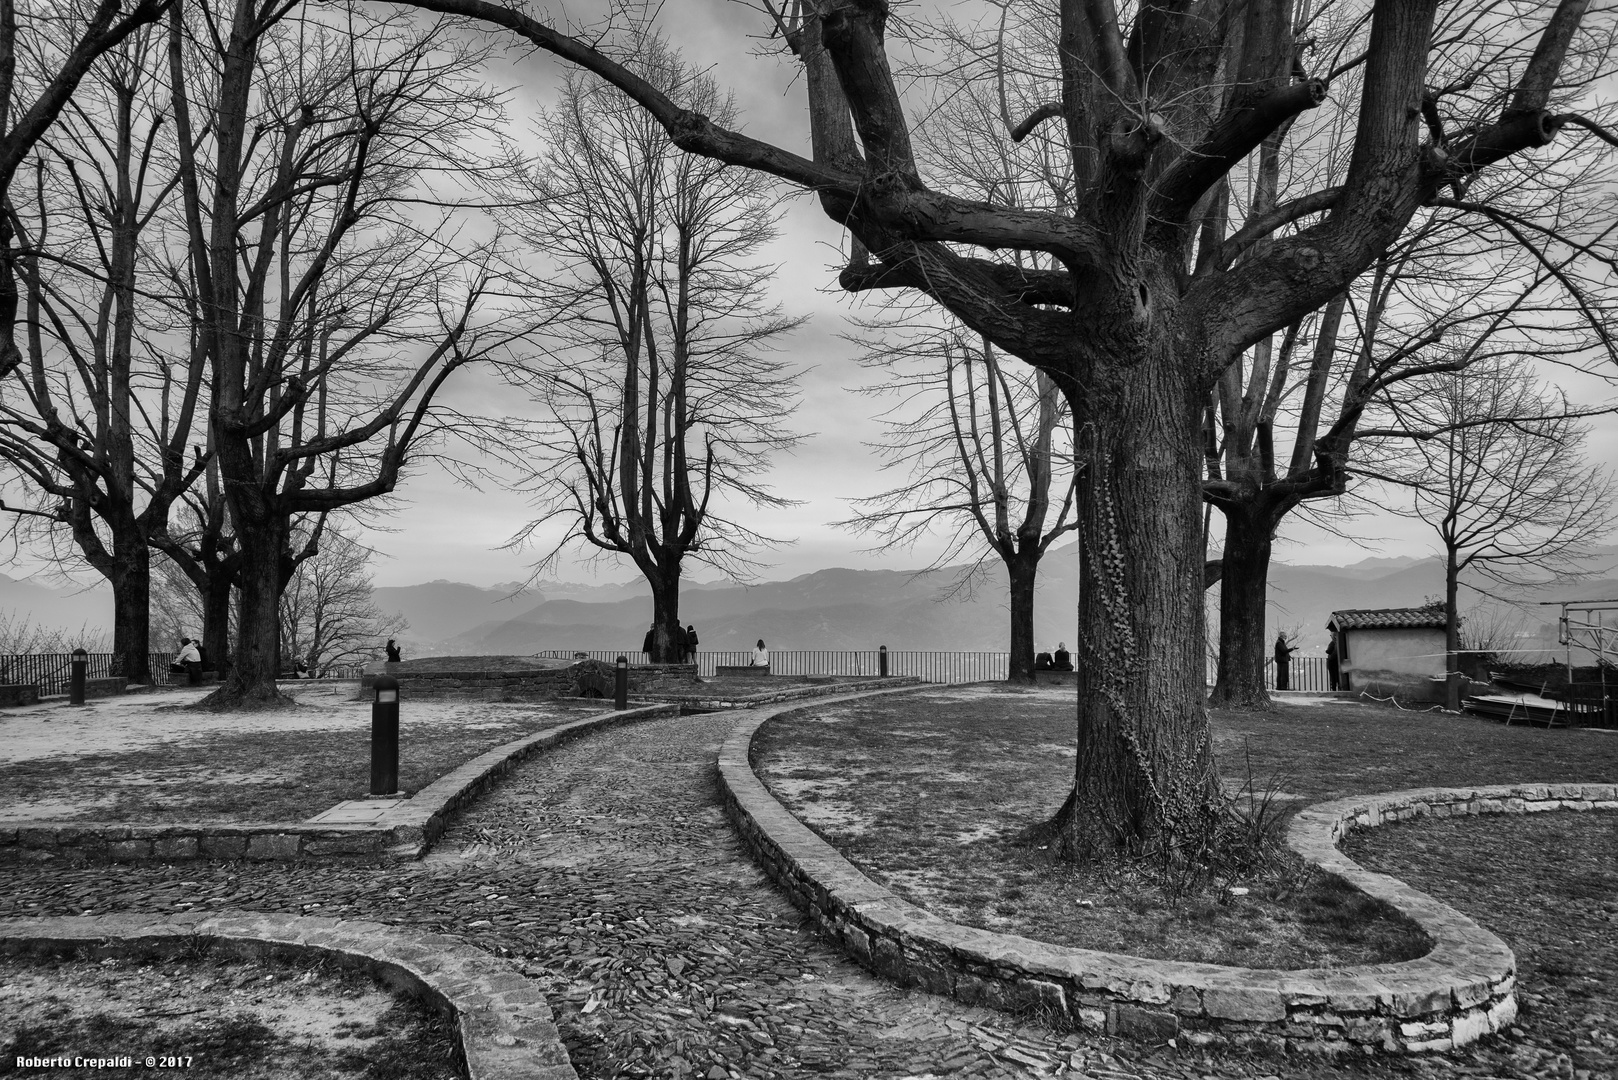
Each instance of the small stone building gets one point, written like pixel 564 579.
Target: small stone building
pixel 1392 652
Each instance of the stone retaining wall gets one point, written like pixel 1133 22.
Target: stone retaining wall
pixel 406 831
pixel 12 694
pixel 1462 989
pixel 504 1026
pixel 575 680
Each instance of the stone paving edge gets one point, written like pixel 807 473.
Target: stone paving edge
pixel 1462 989
pixel 405 832
pixel 504 1026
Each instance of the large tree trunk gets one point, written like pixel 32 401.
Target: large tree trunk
pixel 1145 763
pixel 666 614
pixel 1243 592
pixel 1023 572
pixel 257 662
pixel 132 609
pixel 216 621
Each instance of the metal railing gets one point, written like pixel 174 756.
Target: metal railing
pixel 1303 673
pixel 928 665
pixel 52 671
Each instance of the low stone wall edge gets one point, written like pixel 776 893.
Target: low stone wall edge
pixel 1462 989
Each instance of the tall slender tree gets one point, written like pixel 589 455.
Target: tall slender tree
pixel 665 402
pixel 1157 104
pixel 988 459
pixel 330 310
pixel 1495 464
pixel 99 419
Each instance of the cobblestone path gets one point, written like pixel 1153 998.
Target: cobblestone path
pixel 608 872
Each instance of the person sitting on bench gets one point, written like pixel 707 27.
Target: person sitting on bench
pixel 188 654
pixel 1063 660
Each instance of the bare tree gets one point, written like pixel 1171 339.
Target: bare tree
pixel 99 420
pixel 1496 467
pixel 1454 279
pixel 665 403
pixel 1155 110
pixel 328 615
pixel 330 305
pixel 987 457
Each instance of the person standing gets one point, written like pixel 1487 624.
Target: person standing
pixel 1283 662
pixel 691 643
pixel 1334 664
pixel 393 652
pixel 650 641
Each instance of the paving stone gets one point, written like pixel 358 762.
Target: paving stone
pixel 607 871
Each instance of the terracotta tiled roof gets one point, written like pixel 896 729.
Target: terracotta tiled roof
pixel 1418 618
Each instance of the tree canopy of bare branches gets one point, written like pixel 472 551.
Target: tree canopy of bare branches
pixel 988 463
pixel 1496 468
pixel 331 303
pixel 1159 282
pixel 665 400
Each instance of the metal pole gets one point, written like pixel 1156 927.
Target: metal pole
pixel 620 686
pixel 75 693
pixel 385 737
pixel 882 661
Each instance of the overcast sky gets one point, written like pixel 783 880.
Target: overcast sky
pixel 442 530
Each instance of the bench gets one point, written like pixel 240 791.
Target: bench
pixel 742 671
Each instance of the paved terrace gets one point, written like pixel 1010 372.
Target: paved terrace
pixel 608 873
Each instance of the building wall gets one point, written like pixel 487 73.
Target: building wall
pixel 1396 663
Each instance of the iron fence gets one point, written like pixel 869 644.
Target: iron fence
pixel 1303 673
pixel 51 672
pixel 928 665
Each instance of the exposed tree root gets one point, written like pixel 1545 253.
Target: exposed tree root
pixel 233 697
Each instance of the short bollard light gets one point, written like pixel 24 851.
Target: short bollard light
pixel 75 689
pixel 620 685
pixel 385 737
pixel 882 661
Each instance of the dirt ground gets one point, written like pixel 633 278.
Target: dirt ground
pixel 203 1017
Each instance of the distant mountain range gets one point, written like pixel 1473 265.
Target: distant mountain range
pixel 861 609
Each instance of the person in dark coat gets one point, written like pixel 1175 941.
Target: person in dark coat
pixel 1063 660
pixel 1283 662
pixel 1043 662
pixel 690 643
pixel 1334 664
pixel 651 640
pixel 677 646
pixel 393 652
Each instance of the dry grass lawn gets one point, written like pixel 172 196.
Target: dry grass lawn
pixel 924 792
pixel 254 772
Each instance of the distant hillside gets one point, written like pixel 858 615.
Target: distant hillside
pixel 67 609
pixel 829 609
pixel 441 609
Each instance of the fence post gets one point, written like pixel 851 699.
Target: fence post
pixel 882 661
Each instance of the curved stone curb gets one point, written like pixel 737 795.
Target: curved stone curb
pixel 404 832
pixel 794 693
pixel 505 1026
pixel 1464 988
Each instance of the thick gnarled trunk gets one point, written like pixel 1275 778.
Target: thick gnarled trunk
pixel 1243 591
pixel 263 540
pixel 666 616
pixel 131 611
pixel 1144 754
